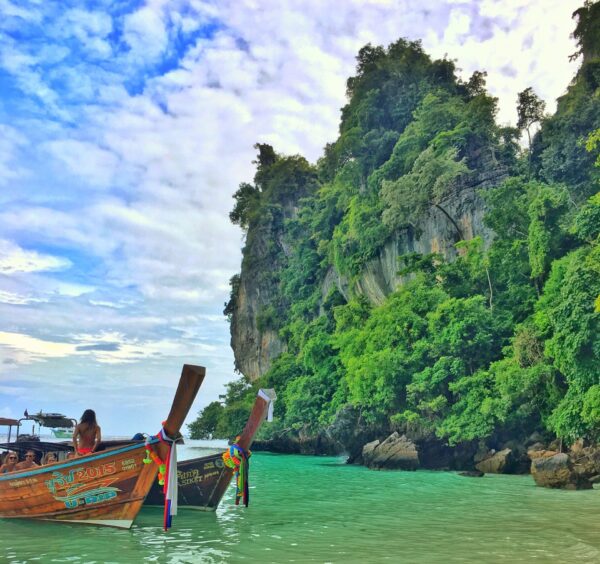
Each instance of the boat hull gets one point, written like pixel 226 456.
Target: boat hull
pixel 107 488
pixel 201 483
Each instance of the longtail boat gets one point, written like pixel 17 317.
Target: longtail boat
pixel 203 481
pixel 104 488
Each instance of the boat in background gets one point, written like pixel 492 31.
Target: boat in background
pixel 60 425
pixel 10 423
pixel 61 434
pixel 203 481
pixel 104 488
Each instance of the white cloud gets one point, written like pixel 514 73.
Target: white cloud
pixel 14 259
pixel 17 299
pixel 104 348
pixel 84 159
pixel 146 34
pixel 25 349
pixel 73 290
pixel 90 28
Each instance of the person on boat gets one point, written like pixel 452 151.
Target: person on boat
pixel 50 458
pixel 86 436
pixel 9 463
pixel 29 461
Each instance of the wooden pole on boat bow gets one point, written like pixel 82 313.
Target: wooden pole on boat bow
pixel 189 384
pixel 257 416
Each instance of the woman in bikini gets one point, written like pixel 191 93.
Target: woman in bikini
pixel 86 436
pixel 10 461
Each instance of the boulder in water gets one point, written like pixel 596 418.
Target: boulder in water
pixel 501 462
pixel 556 471
pixel 472 474
pixel 396 452
pixel 586 460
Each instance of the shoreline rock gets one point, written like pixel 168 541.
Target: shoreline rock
pixel 577 469
pixel 397 452
pixel 502 462
pixel 556 471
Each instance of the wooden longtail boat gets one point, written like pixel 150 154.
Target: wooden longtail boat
pixel 203 481
pixel 105 488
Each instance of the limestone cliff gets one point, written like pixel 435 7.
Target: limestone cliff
pixel 458 216
pixel 254 348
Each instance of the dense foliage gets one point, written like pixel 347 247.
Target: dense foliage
pixel 502 339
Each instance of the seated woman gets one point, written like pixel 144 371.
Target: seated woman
pixel 86 436
pixel 49 458
pixel 9 462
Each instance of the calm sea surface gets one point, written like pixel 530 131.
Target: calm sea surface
pixel 317 509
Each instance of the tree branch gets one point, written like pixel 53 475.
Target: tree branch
pixel 460 235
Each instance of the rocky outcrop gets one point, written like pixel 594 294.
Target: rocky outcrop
pixel 254 349
pixel 458 216
pixel 578 469
pixel 350 432
pixel 586 461
pixel 255 343
pixel 502 462
pixel 556 471
pixel 434 454
pixel 289 442
pixel 396 452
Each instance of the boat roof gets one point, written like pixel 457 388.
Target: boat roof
pixel 8 422
pixel 56 420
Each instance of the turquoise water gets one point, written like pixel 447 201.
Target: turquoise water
pixel 317 509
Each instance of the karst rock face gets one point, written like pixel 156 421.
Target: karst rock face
pixel 458 216
pixel 254 349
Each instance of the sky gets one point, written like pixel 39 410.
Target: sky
pixel 125 129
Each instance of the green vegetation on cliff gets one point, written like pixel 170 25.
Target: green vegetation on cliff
pixel 500 338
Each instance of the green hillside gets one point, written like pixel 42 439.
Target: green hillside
pixel 495 339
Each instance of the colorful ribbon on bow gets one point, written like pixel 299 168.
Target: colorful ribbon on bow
pixel 237 459
pixel 167 474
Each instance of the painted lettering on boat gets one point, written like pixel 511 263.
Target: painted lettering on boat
pixel 194 476
pixel 218 463
pixel 128 464
pixel 97 495
pixel 24 482
pixel 74 489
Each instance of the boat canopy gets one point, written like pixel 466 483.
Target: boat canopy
pixel 6 422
